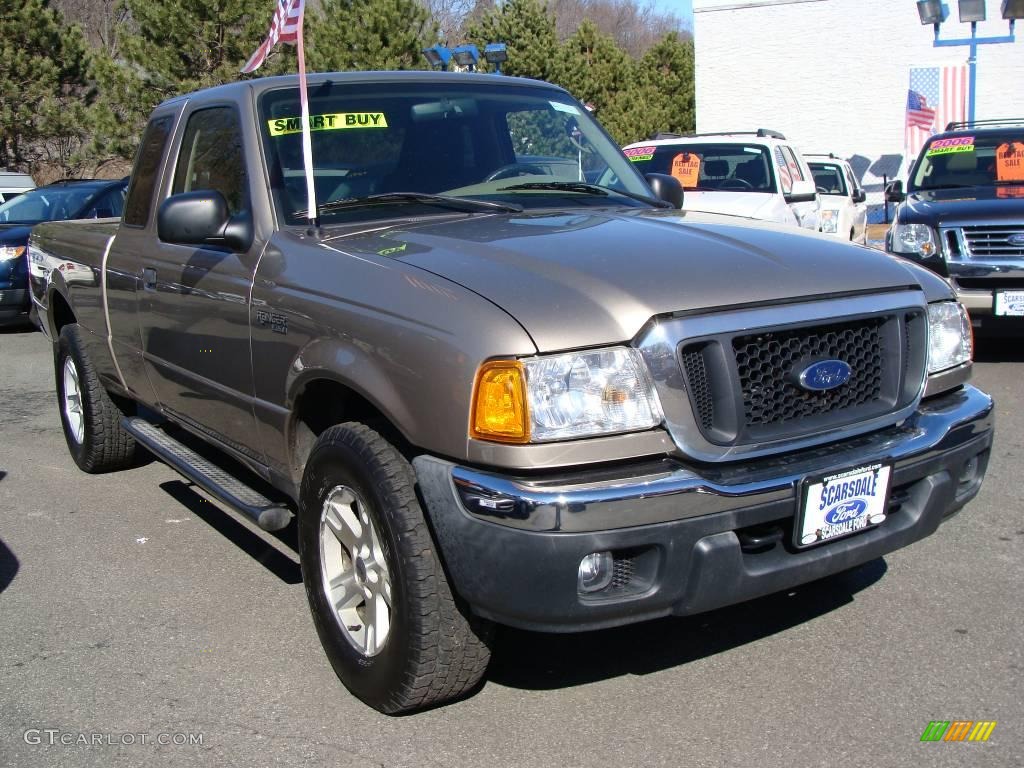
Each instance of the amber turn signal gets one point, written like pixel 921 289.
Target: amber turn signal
pixel 499 403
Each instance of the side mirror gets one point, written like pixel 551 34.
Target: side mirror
pixel 802 192
pixel 666 188
pixel 859 196
pixel 202 218
pixel 894 192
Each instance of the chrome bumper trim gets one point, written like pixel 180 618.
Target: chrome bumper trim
pixel 665 490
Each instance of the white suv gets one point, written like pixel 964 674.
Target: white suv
pixel 844 212
pixel 758 174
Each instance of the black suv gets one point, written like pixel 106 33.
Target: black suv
pixel 71 199
pixel 962 215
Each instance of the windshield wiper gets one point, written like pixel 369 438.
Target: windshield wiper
pixel 948 186
pixel 466 204
pixel 584 188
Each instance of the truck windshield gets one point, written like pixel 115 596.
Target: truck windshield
pixel 522 146
pixel 709 167
pixel 983 160
pixel 828 178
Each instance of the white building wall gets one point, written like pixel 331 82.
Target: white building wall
pixel 833 74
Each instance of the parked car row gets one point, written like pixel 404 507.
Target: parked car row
pixel 761 175
pixel 62 200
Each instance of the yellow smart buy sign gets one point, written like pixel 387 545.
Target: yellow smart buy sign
pixel 282 126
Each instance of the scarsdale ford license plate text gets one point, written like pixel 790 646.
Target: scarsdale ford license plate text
pixel 844 503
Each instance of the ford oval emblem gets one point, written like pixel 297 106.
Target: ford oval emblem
pixel 825 375
pixel 846 511
pixel 1015 240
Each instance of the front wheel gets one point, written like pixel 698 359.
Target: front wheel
pixel 382 606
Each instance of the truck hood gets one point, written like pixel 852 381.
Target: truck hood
pixel 941 206
pixel 753 205
pixel 578 279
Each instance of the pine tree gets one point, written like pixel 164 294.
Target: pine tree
pixel 528 30
pixel 594 69
pixel 667 82
pixel 41 81
pixel 367 35
pixel 169 47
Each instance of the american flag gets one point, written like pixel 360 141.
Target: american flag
pixel 284 27
pixel 937 96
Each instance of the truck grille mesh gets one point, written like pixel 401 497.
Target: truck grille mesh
pixel 767 362
pixel 700 391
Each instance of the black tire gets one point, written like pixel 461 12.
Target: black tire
pixel 432 652
pixel 103 446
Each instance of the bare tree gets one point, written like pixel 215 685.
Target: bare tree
pixel 97 18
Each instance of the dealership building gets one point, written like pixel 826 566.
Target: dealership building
pixel 833 75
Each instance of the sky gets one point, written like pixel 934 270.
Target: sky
pixel 681 8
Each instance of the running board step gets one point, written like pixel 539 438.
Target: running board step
pixel 268 515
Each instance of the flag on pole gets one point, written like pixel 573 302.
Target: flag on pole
pixel 286 27
pixel 937 97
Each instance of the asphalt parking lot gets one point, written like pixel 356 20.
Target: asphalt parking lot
pixel 137 620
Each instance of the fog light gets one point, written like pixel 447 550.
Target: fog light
pixel 596 571
pixel 968 474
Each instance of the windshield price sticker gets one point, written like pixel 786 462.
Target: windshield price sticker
pixel 686 168
pixel 1010 161
pixel 951 146
pixel 636 154
pixel 842 504
pixel 338 121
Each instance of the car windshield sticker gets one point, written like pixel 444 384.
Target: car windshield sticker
pixel 686 167
pixel 569 109
pixel 1010 191
pixel 949 146
pixel 1010 161
pixel 636 154
pixel 284 126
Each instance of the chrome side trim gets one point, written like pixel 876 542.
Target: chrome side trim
pixel 659 342
pixel 106 311
pixel 665 490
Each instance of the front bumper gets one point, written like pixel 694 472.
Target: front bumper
pixel 687 539
pixel 14 304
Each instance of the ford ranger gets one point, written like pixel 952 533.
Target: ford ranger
pixel 492 388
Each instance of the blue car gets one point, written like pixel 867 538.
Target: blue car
pixel 76 199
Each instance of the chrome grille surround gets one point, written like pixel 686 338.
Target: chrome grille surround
pixel 982 242
pixel 664 339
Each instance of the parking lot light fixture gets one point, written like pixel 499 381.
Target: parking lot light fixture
pixel 496 54
pixel 1013 9
pixel 466 56
pixel 438 56
pixel 930 11
pixel 972 10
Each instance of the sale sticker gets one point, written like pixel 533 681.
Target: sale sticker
pixel 686 168
pixel 636 154
pixel 1010 161
pixel 950 146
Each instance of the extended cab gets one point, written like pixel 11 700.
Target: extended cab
pixel 500 380
pixel 962 215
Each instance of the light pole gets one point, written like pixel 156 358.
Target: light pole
pixel 934 12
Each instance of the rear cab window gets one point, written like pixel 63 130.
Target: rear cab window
pixel 139 199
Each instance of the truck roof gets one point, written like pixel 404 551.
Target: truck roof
pixel 230 90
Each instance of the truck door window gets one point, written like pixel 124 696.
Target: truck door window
pixel 211 157
pixel 144 177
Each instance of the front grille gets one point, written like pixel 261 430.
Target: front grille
pixel 993 241
pixel 744 386
pixel 766 364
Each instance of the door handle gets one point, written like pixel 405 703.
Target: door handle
pixel 148 279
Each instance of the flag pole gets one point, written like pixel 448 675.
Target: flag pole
pixel 307 140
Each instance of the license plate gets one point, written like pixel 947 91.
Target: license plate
pixel 1010 303
pixel 841 504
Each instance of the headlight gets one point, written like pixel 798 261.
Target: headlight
pixel 555 397
pixel 8 252
pixel 950 342
pixel 914 239
pixel 829 221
